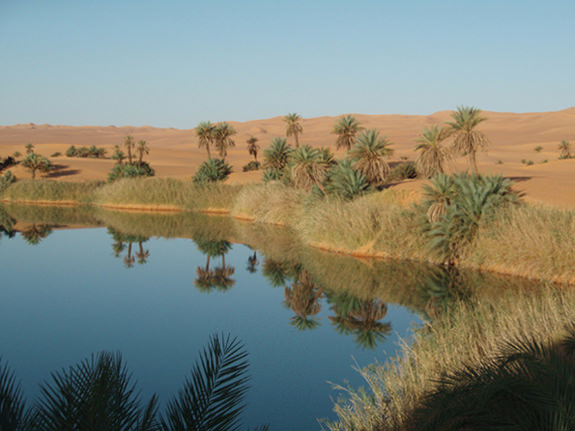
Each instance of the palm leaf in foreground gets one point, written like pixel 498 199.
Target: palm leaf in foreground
pixel 212 397
pixel 12 405
pixel 98 393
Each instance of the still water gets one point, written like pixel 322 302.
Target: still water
pixel 155 287
pixel 67 293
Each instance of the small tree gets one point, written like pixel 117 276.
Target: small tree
pixel 29 148
pixel 565 149
pixel 213 170
pixel 35 162
pixel 142 149
pixel 253 147
pixel 130 145
pixel 294 128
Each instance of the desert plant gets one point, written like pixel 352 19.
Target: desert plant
pixel 130 145
pixel 130 170
pixel 253 147
pixel 404 171
pixel 538 149
pixel 222 134
pixel 142 148
pixel 345 182
pixel 368 156
pixel 432 154
pixel 29 148
pixel 466 138
pixel 71 151
pixel 346 129
pixel 308 167
pixel 212 170
pixel 35 162
pixel 56 154
pixel 294 127
pixel 119 156
pixel 251 166
pixel 205 133
pixel 565 150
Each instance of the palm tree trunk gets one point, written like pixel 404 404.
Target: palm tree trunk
pixel 473 162
pixel 208 148
pixel 296 140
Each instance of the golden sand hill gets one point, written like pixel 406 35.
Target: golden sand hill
pixel 175 153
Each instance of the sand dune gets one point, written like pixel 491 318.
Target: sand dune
pixel 174 152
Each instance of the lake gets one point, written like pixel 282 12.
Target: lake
pixel 77 281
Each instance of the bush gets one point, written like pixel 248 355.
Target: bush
pixel 130 170
pixel 345 182
pixel 6 179
pixel 404 171
pixel 251 166
pixel 538 148
pixel 56 154
pixel 86 152
pixel 212 171
pixel 71 152
pixel 7 162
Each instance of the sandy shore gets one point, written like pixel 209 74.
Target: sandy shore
pixel 175 153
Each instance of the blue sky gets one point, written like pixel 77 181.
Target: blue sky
pixel 176 63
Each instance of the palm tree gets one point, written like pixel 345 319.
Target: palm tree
pixel 36 233
pixel 565 148
pixel 130 145
pixel 142 149
pixel 466 139
pixel 205 134
pixel 29 148
pixel 277 155
pixel 142 254
pixel 253 147
pixel 309 168
pixel 368 156
pixel 347 127
pixel 222 138
pixel 35 162
pixel 294 128
pixel 252 263
pixel 432 154
pixel 119 156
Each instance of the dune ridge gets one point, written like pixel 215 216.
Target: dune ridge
pixel 174 152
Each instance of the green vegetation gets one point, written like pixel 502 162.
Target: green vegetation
pixel 294 127
pixel 368 156
pixel 466 138
pixel 565 150
pixel 538 149
pixel 251 166
pixel 346 129
pixel 35 162
pixel 253 148
pixel 86 152
pixel 433 154
pixel 130 170
pixel 52 191
pixel 212 171
pixel 222 138
pixel 101 389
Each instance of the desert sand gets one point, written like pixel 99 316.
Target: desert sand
pixel 175 152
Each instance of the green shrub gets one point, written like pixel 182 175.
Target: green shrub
pixel 130 170
pixel 345 182
pixel 56 154
pixel 212 171
pixel 404 171
pixel 6 179
pixel 538 148
pixel 71 151
pixel 251 166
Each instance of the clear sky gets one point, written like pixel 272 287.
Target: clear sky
pixel 175 63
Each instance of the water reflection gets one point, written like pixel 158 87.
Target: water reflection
pixel 356 292
pixel 219 278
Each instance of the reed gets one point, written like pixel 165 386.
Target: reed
pixel 52 191
pixel 472 331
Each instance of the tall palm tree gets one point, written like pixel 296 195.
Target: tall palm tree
pixel 294 128
pixel 368 156
pixel 432 154
pixel 205 134
pixel 346 128
pixel 130 145
pixel 466 139
pixel 142 149
pixel 253 147
pixel 565 148
pixel 222 138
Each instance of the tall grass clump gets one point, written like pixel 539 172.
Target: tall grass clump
pixel 270 202
pixel 52 191
pixel 167 193
pixel 534 242
pixel 468 335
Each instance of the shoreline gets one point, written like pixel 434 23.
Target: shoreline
pixel 323 246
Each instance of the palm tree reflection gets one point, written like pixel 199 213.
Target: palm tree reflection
pixel 361 318
pixel 252 263
pixel 220 277
pixel 34 234
pixel 303 298
pixel 119 246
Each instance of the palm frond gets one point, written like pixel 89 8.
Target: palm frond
pixel 212 397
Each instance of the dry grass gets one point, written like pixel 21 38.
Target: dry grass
pixel 472 331
pixel 533 242
pixel 52 191
pixel 269 203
